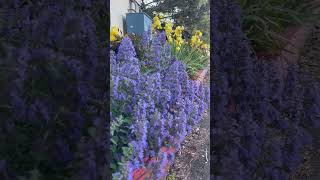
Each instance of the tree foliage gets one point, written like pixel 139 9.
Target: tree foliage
pixel 192 14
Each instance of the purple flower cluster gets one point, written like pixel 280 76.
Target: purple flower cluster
pixel 260 109
pixel 53 90
pixel 164 104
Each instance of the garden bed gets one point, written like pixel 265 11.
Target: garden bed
pixel 195 139
pixel 154 100
pixel 193 159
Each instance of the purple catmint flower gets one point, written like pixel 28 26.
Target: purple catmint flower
pixel 146 38
pixel 126 51
pixel 23 58
pixel 43 109
pixel 163 102
pixel 162 37
pixel 169 120
pixel 83 92
pixel 161 171
pixel 162 128
pixel 75 67
pixel 18 105
pixel 130 168
pixel 182 120
pixel 113 60
pixel 54 59
pixel 171 158
pixel 32 112
pixel 63 151
pixel 156 46
pixel 157 49
pixel 152 153
pixel 138 150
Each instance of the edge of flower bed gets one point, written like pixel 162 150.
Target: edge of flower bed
pixel 145 173
pixel 297 36
pixel 297 39
pixel 201 75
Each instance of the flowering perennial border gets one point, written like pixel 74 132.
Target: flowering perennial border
pixel 163 104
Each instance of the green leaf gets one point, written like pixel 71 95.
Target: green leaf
pixel 113 141
pixel 113 166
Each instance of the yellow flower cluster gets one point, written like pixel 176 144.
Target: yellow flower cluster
pixel 196 41
pixel 178 37
pixel 114 34
pixel 168 30
pixel 204 46
pixel 156 23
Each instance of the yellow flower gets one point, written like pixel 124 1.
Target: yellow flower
pixel 113 38
pixel 203 46
pixel 198 33
pixel 195 40
pixel 178 37
pixel 178 31
pixel 156 23
pixel 168 30
pixel 114 34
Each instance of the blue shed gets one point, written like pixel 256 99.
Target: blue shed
pixel 138 23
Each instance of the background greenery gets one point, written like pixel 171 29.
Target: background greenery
pixel 264 21
pixel 193 16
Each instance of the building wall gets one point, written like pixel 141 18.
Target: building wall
pixel 118 10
